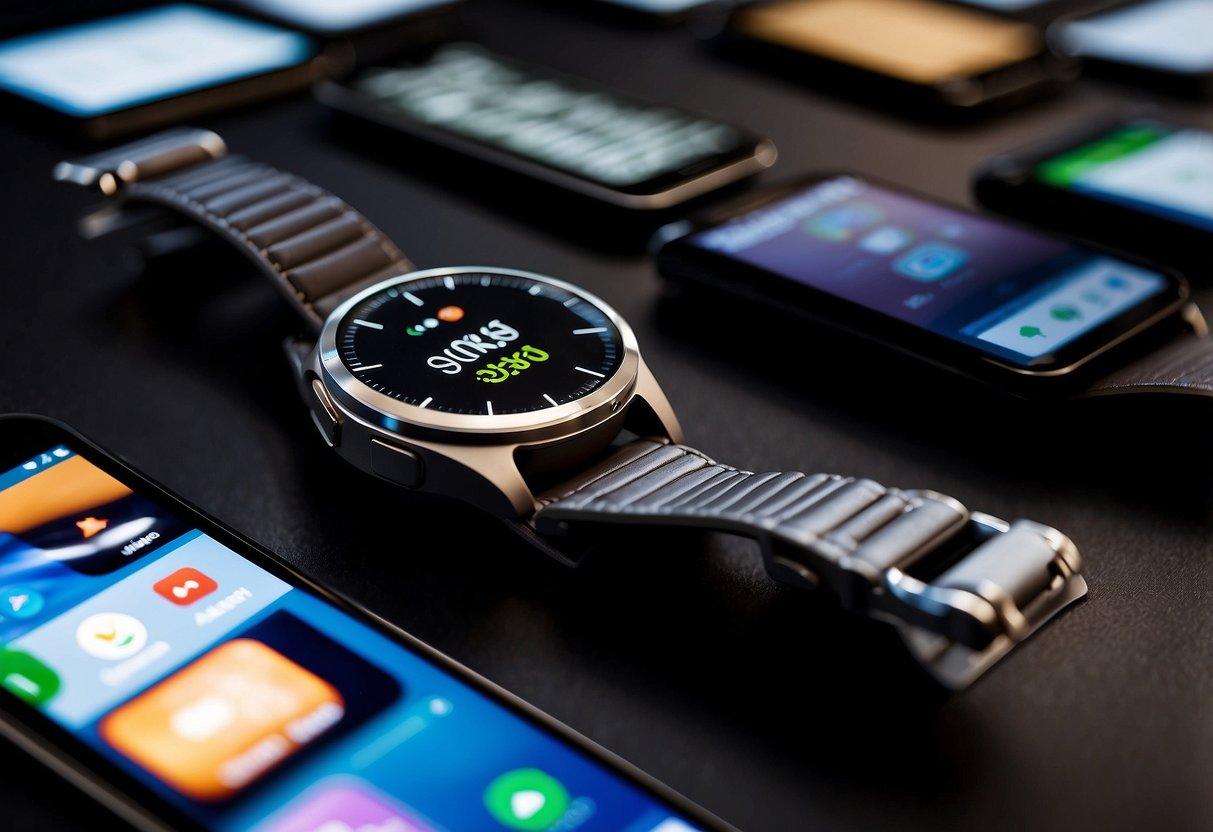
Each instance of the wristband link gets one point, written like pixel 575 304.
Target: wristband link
pixel 962 588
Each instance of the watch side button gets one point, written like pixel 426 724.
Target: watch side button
pixel 397 464
pixel 324 413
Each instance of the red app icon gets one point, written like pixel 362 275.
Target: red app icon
pixel 185 586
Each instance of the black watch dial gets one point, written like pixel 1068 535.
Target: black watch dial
pixel 480 343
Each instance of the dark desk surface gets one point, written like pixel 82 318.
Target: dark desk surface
pixel 757 702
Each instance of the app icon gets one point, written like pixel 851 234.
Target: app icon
pixel 185 586
pixel 674 825
pixel 28 678
pixel 842 223
pixel 1031 332
pixel 111 635
pixel 20 602
pixel 526 798
pixel 222 722
pixel 931 261
pixel 1065 313
pixel 345 805
pixel 75 514
pixel 90 526
pixel 886 240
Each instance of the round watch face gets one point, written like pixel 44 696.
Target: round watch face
pixel 479 343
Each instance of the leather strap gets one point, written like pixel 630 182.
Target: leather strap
pixel 1183 366
pixel 963 588
pixel 316 248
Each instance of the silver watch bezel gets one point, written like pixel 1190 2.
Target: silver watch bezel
pixel 406 419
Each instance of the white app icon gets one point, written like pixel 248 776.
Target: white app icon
pixel 111 635
pixel 886 240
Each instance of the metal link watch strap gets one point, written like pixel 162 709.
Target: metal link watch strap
pixel 964 588
pixel 316 248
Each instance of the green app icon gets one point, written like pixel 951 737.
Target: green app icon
pixel 526 798
pixel 1065 313
pixel 27 677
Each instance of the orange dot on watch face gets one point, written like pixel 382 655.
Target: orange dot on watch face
pixel 450 313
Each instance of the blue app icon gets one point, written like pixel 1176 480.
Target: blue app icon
pixel 20 602
pixel 931 261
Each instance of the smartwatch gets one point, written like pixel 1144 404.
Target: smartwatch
pixel 527 397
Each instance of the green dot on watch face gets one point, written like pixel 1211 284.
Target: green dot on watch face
pixel 527 799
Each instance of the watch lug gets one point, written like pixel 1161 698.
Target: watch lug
pixel 658 417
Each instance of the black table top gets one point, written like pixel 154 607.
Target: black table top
pixel 758 702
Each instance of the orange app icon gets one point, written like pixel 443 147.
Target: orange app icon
pixel 220 723
pixel 185 586
pixel 89 526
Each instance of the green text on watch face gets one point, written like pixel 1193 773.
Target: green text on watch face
pixel 480 343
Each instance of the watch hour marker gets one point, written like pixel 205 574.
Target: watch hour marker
pixel 428 399
pixel 589 372
pixel 489 405
pixel 593 330
pixel 571 301
pixel 361 322
pixel 485 280
pixel 534 290
pixel 367 367
pixel 414 299
pixel 448 282
pixel 550 399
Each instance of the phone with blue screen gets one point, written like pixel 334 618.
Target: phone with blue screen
pixel 1031 313
pixel 152 67
pixel 190 680
pixel 1139 182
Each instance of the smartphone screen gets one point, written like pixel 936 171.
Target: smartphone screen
pixel 337 16
pixel 660 7
pixel 913 40
pixel 560 129
pixel 1168 35
pixel 1007 292
pixel 104 66
pixel 1144 165
pixel 246 701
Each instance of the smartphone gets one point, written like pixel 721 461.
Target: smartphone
pixel 135 71
pixel 337 18
pixel 563 131
pixel 657 11
pixel 1001 303
pixel 909 54
pixel 188 679
pixel 1163 43
pixel 1140 183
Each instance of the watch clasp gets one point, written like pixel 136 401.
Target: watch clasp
pixel 992 584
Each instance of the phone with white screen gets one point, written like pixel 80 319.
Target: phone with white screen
pixel 1138 182
pixel 342 17
pixel 191 680
pixel 1163 43
pixel 151 67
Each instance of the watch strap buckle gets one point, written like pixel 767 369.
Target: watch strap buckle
pixel 957 664
pixel 171 150
pixel 961 588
